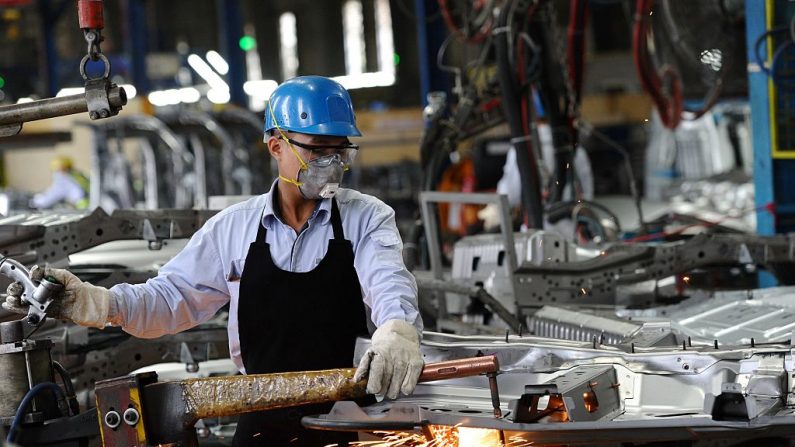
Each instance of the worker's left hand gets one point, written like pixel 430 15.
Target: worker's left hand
pixel 394 361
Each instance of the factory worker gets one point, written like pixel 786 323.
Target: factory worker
pixel 69 187
pixel 298 265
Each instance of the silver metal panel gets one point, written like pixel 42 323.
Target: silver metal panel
pixel 766 315
pixel 565 324
pixel 664 393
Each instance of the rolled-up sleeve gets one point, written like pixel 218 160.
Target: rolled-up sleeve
pixel 187 291
pixel 389 289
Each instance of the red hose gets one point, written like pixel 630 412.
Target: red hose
pixel 575 56
pixel 670 108
pixel 576 43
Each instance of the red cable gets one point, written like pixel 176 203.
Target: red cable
pixel 576 44
pixel 670 106
pixel 522 84
pixel 770 208
pixel 575 56
pixel 478 37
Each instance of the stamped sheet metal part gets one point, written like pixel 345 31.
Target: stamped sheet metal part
pixel 663 393
pixel 46 237
pixel 763 315
pixel 732 317
pixel 605 327
pixel 551 275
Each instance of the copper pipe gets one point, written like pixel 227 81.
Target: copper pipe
pixel 453 369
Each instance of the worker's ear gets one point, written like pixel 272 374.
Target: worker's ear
pixel 274 147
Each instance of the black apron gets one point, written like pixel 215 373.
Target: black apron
pixel 292 321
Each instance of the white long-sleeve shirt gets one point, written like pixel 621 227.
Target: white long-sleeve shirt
pixel 205 275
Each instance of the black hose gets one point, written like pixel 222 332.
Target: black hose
pixel 412 254
pixel 528 167
pixel 66 378
pixel 555 98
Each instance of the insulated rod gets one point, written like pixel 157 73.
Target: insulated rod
pixel 170 408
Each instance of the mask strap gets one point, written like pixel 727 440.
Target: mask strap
pixel 304 166
pixel 291 181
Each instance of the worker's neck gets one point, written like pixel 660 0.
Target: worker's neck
pixel 295 210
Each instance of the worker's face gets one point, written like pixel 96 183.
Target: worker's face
pixel 309 148
pixel 314 164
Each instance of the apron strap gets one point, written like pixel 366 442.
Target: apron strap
pixel 336 220
pixel 261 230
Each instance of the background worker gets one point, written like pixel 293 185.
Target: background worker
pixel 297 265
pixel 69 186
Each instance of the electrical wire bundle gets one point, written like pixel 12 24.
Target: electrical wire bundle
pixel 772 68
pixel 704 45
pixel 530 60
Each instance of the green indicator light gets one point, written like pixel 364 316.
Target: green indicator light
pixel 247 43
pixel 396 59
pixel 2 82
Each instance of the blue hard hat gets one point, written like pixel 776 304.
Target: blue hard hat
pixel 313 105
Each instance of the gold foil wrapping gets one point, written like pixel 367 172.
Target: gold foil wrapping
pixel 222 396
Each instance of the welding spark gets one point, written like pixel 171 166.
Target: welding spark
pixel 444 436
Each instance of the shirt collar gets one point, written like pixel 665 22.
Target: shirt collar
pixel 322 211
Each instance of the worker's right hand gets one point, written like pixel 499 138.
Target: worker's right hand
pixel 393 363
pixel 80 302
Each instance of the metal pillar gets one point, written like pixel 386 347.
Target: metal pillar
pixel 230 30
pixel 430 35
pixel 755 25
pixel 772 109
pixel 136 43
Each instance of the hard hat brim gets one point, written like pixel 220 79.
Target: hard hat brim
pixel 333 129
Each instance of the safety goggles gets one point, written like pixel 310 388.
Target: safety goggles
pixel 346 151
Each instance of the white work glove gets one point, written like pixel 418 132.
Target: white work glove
pixel 394 360
pixel 80 302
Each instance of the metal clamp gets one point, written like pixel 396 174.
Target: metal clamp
pixel 104 98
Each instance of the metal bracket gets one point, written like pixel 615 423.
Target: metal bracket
pixel 429 220
pixel 586 393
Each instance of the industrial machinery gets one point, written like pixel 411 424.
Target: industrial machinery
pixel 512 275
pixel 101 99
